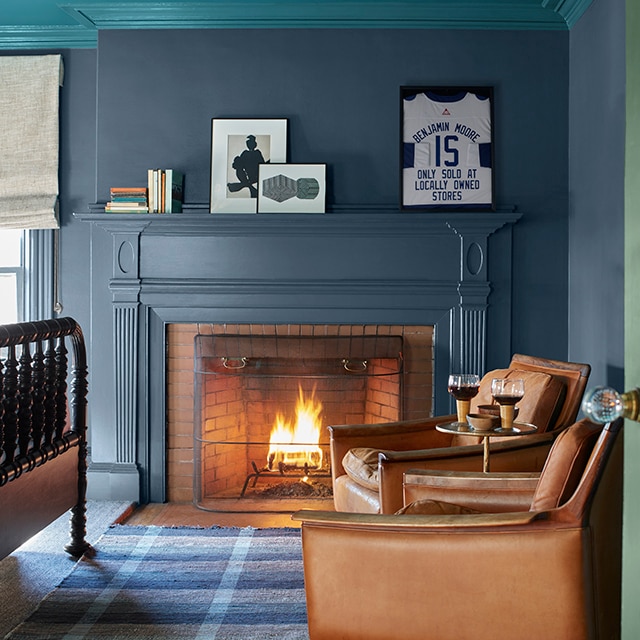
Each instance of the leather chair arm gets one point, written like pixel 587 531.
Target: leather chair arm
pixel 386 429
pixel 487 492
pixel 512 454
pixel 404 523
pixel 410 434
pixel 498 447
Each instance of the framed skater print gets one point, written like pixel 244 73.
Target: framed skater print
pixel 446 148
pixel 291 188
pixel 238 148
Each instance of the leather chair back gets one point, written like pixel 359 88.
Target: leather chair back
pixel 544 396
pixel 565 465
pixel 574 375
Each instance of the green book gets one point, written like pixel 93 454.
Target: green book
pixel 174 189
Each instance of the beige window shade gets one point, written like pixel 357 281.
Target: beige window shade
pixel 29 102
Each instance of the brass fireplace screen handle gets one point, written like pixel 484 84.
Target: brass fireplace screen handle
pixel 241 363
pixel 604 404
pixel 361 365
pixel 234 363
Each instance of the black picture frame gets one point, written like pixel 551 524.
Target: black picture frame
pixel 446 148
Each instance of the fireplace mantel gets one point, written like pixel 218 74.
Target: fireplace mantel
pixel 353 265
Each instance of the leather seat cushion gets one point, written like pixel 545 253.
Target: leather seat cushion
pixel 361 465
pixel 433 508
pixel 353 497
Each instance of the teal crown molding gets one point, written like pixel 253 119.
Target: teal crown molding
pixel 570 10
pixel 47 37
pixel 414 14
pixel 92 16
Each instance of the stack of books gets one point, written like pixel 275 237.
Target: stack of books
pixel 128 200
pixel 165 190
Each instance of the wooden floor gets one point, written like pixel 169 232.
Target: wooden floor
pixel 188 515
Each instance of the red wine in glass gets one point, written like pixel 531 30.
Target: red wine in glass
pixel 463 393
pixel 463 387
pixel 507 399
pixel 507 392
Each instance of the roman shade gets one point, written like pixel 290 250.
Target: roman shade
pixel 29 101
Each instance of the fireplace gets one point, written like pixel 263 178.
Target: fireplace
pixel 238 378
pixel 263 403
pixel 157 279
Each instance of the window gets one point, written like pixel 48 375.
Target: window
pixel 28 275
pixel 11 275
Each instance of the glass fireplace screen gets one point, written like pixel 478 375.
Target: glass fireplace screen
pixel 264 405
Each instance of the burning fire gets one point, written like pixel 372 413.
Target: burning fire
pixel 297 445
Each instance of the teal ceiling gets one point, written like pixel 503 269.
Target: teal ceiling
pixel 37 24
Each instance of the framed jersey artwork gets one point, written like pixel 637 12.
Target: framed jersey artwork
pixel 446 150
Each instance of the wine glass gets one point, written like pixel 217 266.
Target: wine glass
pixel 507 392
pixel 463 387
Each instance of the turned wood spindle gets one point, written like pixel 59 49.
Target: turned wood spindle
pixel 10 405
pixel 38 395
pixel 61 388
pixel 24 400
pixel 49 392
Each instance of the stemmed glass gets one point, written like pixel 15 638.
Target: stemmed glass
pixel 463 387
pixel 507 392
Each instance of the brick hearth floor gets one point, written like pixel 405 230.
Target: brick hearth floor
pixel 175 514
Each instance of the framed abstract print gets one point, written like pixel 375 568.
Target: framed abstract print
pixel 292 188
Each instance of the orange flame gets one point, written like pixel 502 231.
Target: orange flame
pixel 297 445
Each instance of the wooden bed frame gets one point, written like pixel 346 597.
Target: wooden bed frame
pixel 43 445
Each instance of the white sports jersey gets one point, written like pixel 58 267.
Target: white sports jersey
pixel 447 151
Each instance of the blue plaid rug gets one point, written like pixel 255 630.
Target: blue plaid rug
pixel 158 582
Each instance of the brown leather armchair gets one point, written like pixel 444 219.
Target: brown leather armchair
pixel 447 571
pixel 368 461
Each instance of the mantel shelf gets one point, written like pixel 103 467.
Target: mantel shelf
pixel 360 221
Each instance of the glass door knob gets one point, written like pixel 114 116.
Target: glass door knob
pixel 604 404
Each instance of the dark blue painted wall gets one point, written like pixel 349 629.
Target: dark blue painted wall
pixel 146 99
pixel 77 180
pixel 596 222
pixel 158 90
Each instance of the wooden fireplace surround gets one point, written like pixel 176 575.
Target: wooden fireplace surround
pixel 358 265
